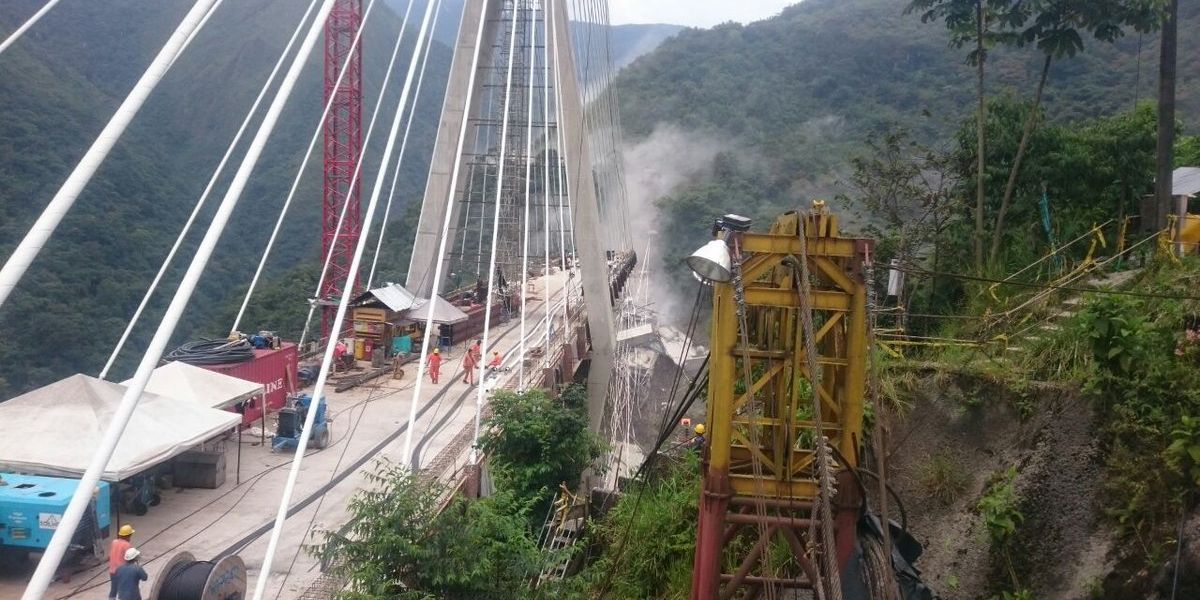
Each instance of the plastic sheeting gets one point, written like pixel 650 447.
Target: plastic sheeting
pixel 207 388
pixel 55 429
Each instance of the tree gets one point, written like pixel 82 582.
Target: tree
pixel 1166 113
pixel 913 189
pixel 401 546
pixel 1055 27
pixel 535 442
pixel 968 22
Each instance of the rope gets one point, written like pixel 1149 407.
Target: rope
pixel 26 25
pixel 212 182
pixel 823 505
pixel 186 581
pixel 753 409
pixel 879 440
pixel 129 401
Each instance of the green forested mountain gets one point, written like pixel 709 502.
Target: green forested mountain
pixel 60 84
pixel 783 104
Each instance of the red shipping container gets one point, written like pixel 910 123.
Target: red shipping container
pixel 275 369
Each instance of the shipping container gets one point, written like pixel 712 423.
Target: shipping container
pixel 275 369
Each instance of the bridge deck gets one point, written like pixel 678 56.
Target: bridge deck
pixel 209 522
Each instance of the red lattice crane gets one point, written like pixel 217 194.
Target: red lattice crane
pixel 342 146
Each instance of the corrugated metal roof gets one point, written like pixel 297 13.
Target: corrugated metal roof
pixel 394 296
pixel 1186 181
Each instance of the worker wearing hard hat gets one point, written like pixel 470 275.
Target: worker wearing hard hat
pixel 434 364
pixel 129 577
pixel 496 361
pixel 116 557
pixel 697 442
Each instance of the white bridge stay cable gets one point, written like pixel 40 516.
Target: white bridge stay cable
pixel 212 182
pixel 26 25
pixel 304 165
pixel 412 115
pixel 33 242
pixel 562 171
pixel 549 313
pixel 343 304
pixel 528 177
pixel 79 500
pixel 435 290
pixel 195 32
pixel 491 288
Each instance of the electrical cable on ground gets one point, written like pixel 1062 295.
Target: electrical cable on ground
pixel 71 518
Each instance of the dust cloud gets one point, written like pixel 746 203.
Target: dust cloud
pixel 655 167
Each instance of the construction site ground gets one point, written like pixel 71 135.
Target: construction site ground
pixel 211 522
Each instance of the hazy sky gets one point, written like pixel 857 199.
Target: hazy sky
pixel 694 13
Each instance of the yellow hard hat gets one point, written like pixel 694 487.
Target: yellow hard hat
pixel 700 429
pixel 436 351
pixel 125 531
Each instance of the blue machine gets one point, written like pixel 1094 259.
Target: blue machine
pixel 291 424
pixel 31 507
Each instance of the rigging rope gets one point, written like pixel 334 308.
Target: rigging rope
pixel 447 218
pixel 26 25
pixel 57 547
pixel 823 506
pixel 339 318
pixel 33 242
pixel 212 182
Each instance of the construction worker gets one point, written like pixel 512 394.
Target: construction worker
pixel 116 557
pixel 339 354
pixel 495 363
pixel 129 577
pixel 434 364
pixel 471 362
pixel 697 443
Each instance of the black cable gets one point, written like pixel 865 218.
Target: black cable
pixel 186 581
pixel 213 352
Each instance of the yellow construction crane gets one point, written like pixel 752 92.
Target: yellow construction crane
pixel 787 380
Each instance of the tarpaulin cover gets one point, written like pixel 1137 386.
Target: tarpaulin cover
pixel 207 388
pixel 443 311
pixel 55 429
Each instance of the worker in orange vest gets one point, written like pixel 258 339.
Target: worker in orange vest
pixel 471 361
pixel 434 365
pixel 116 556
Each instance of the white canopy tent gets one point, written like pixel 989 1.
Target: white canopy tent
pixel 207 388
pixel 393 295
pixel 54 430
pixel 443 312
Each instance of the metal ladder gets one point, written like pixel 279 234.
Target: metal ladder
pixel 562 528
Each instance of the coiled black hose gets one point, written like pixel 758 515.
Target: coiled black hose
pixel 213 352
pixel 186 581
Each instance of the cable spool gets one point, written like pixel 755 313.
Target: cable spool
pixel 185 578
